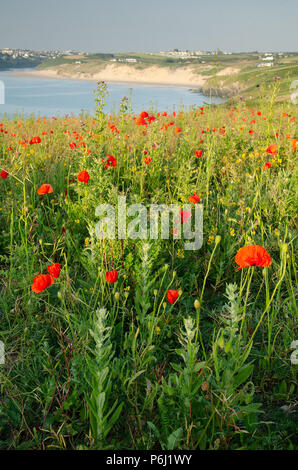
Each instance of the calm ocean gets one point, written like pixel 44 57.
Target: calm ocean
pixel 54 97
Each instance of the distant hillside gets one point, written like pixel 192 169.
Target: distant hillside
pixel 243 74
pixel 7 62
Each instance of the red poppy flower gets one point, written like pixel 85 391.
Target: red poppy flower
pixel 45 189
pixel 252 255
pixel 141 122
pixel 294 144
pixel 3 174
pixel 83 176
pixel 41 282
pixel 272 149
pixel 194 199
pixel 144 114
pixel 178 130
pixel 112 276
pixel 54 270
pixel 184 216
pixel 147 160
pixel 172 295
pixel 111 161
pixel 198 153
pixel 267 165
pixel 35 140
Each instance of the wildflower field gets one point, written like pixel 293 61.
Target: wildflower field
pixel 141 344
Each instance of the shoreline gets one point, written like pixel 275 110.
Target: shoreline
pixel 195 83
pixel 113 76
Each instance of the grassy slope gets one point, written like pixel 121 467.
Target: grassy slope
pixel 47 380
pixel 246 82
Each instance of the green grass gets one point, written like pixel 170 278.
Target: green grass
pixel 93 365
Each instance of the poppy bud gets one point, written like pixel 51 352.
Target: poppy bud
pixel 205 386
pixel 228 347
pixel 217 239
pixel 155 292
pixel 117 295
pixel 284 248
pixel 221 342
pixel 196 304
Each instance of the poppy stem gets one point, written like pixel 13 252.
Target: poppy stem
pixel 201 298
pixel 248 347
pixel 249 277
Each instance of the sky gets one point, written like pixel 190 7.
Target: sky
pixel 149 25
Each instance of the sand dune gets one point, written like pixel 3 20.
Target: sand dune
pixel 153 75
pixel 228 71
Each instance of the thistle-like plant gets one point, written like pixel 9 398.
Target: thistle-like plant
pixel 101 95
pixel 103 409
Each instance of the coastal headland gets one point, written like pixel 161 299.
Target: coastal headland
pixel 241 75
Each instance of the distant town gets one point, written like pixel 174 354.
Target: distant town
pixel 26 58
pixel 267 58
pixel 22 58
pixel 7 54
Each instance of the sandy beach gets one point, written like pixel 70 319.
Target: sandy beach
pixel 123 73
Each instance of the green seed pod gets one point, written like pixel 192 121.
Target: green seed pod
pixel 217 239
pixel 284 248
pixel 221 342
